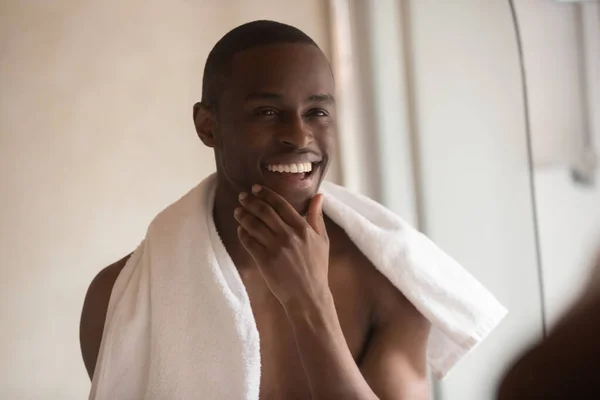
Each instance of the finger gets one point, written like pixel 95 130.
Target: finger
pixel 253 226
pixel 284 209
pixel 315 214
pixel 251 245
pixel 263 211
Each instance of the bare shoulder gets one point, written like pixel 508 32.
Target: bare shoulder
pixel 94 310
pixel 394 308
pixel 388 304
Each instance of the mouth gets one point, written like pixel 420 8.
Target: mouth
pixel 304 170
pixel 295 174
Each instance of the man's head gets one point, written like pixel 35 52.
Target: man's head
pixel 268 110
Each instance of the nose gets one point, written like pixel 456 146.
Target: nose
pixel 295 134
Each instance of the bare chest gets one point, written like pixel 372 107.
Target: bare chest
pixel 282 373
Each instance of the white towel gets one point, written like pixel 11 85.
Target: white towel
pixel 179 323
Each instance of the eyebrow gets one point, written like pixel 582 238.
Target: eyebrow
pixel 322 98
pixel 315 98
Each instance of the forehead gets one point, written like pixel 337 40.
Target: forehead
pixel 291 69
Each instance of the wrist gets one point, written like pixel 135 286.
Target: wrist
pixel 311 308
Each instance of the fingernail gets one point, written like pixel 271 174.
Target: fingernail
pixel 243 195
pixel 237 212
pixel 256 188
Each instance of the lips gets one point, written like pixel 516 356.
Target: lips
pixel 292 163
pixel 297 175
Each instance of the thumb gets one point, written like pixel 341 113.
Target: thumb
pixel 315 214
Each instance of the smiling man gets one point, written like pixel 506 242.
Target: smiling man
pixel 269 112
pixel 330 324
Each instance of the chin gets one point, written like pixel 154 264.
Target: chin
pixel 300 204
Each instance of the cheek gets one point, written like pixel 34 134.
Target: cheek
pixel 241 149
pixel 326 135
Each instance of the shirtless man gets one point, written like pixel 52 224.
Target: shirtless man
pixel 330 325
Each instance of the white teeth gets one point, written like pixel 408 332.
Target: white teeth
pixel 291 168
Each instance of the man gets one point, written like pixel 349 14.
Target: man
pixel 330 325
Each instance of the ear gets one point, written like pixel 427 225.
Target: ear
pixel 204 121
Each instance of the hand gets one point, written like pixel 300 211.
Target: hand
pixel 292 253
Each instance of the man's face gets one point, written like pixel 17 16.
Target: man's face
pixel 277 119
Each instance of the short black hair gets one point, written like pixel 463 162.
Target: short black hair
pixel 244 37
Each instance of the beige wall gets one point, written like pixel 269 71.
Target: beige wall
pixel 96 137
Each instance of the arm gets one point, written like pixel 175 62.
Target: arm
pixel 328 363
pixel 93 314
pixel 394 366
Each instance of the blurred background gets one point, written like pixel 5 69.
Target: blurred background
pixel 477 120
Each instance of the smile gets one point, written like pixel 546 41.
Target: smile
pixel 297 168
pixel 298 175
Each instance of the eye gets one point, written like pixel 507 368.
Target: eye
pixel 317 112
pixel 266 112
